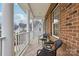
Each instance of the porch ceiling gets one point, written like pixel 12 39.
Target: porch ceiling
pixel 38 10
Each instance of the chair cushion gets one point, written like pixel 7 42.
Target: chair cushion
pixel 58 43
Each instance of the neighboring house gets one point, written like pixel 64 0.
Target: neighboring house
pixel 19 28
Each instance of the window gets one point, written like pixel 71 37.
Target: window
pixel 55 23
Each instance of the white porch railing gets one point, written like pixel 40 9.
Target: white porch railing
pixel 1 38
pixel 39 37
pixel 21 41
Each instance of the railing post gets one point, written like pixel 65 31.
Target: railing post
pixel 33 27
pixel 28 25
pixel 7 29
pixel 0 46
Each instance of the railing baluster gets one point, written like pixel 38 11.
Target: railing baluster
pixel 1 38
pixel 21 42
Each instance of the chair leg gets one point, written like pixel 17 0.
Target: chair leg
pixel 55 53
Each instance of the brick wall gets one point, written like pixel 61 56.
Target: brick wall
pixel 69 29
pixel 49 24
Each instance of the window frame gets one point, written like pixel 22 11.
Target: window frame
pixel 57 7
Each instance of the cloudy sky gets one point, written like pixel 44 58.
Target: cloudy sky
pixel 19 15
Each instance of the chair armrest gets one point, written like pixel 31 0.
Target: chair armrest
pixel 48 43
pixel 38 51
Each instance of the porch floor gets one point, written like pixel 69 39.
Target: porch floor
pixel 33 47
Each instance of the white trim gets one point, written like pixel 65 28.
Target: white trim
pixel 1 38
pixel 55 36
pixel 57 22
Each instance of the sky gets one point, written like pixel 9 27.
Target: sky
pixel 19 15
pixel 0 12
pixel 0 7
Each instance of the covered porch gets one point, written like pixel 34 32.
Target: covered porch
pixel 59 20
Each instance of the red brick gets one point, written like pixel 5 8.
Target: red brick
pixel 69 29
